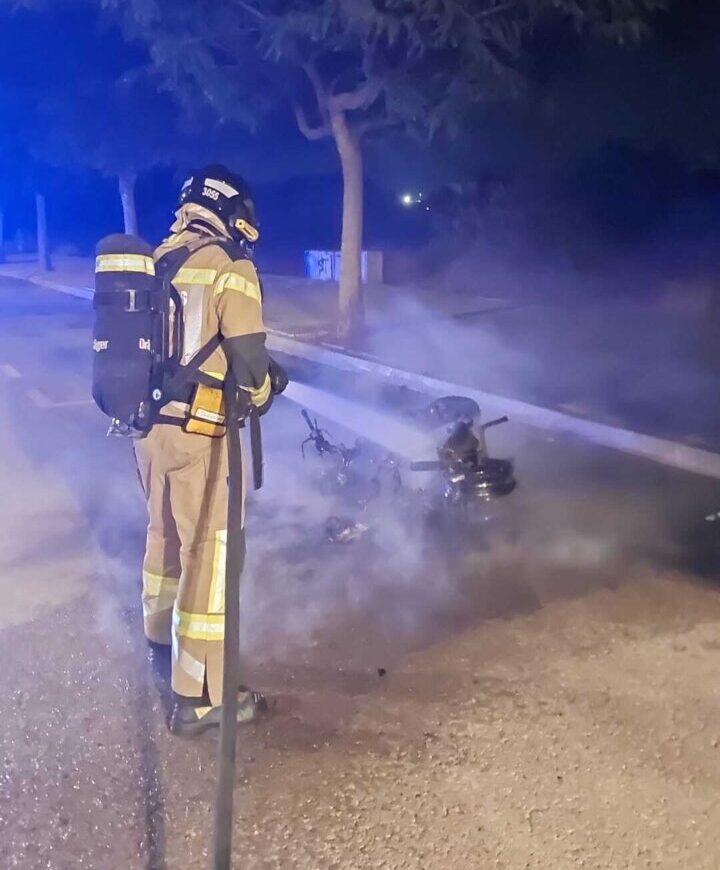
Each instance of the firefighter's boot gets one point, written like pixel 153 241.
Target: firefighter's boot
pixel 191 717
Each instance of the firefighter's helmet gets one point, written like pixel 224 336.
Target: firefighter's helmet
pixel 226 195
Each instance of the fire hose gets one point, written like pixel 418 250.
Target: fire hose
pixel 239 410
pixel 234 563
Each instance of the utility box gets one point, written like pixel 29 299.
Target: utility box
pixel 374 267
pixel 319 265
pixel 337 263
pixel 325 266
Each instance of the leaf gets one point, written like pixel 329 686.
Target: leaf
pixel 435 57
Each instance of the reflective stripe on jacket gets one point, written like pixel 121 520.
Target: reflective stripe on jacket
pixel 222 295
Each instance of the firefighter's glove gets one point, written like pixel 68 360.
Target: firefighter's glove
pixel 263 409
pixel 278 377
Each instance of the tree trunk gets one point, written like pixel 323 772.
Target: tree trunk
pixel 126 184
pixel 351 314
pixel 42 234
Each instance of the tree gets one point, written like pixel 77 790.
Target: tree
pixel 352 68
pixel 118 127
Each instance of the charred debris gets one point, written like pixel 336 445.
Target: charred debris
pixel 463 482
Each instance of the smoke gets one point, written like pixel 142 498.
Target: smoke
pixel 110 517
pixel 298 583
pixel 395 434
pixel 625 338
pixel 564 532
pixel 582 517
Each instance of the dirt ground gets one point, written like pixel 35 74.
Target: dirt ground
pixel 586 734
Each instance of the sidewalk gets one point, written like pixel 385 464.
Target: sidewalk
pixel 73 275
pixel 633 365
pixel 292 304
pixel 626 364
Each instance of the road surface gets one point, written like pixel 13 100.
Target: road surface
pixel 551 700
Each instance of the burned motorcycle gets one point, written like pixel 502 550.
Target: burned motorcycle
pixel 352 472
pixel 461 495
pixel 323 445
pixel 356 477
pixel 469 480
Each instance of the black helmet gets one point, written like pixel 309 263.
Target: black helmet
pixel 225 195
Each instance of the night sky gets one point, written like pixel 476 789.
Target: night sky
pixel 643 122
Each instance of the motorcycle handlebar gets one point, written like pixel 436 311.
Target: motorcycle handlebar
pixel 494 423
pixel 426 465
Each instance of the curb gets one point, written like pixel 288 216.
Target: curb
pixel 669 453
pixel 48 284
pixel 79 292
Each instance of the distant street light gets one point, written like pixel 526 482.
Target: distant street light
pixel 410 199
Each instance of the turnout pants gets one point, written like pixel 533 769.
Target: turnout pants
pixel 184 477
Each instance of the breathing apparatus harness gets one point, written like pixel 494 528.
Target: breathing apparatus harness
pixel 208 410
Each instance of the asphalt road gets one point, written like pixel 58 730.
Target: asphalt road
pixel 340 637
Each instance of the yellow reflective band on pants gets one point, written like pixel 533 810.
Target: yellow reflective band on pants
pixel 159 592
pixel 198 626
pixel 185 479
pixel 231 281
pixel 186 275
pixel 217 584
pixel 125 263
pixel 192 667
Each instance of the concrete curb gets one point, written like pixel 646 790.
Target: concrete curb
pixel 669 453
pixel 79 292
pixel 49 284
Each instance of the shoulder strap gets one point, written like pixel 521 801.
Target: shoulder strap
pixel 170 264
pixel 167 267
pixel 190 373
pixel 166 270
pixel 179 377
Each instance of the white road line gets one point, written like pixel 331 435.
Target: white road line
pixel 40 400
pixel 9 371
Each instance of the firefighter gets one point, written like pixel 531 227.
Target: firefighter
pixel 183 470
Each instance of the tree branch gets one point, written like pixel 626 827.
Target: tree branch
pixel 363 127
pixel 361 98
pixel 308 131
pixel 251 9
pixel 311 71
pixel 495 10
pixel 365 94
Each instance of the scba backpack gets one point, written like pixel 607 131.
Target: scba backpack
pixel 137 341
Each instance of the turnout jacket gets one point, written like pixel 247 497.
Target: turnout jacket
pixel 222 296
